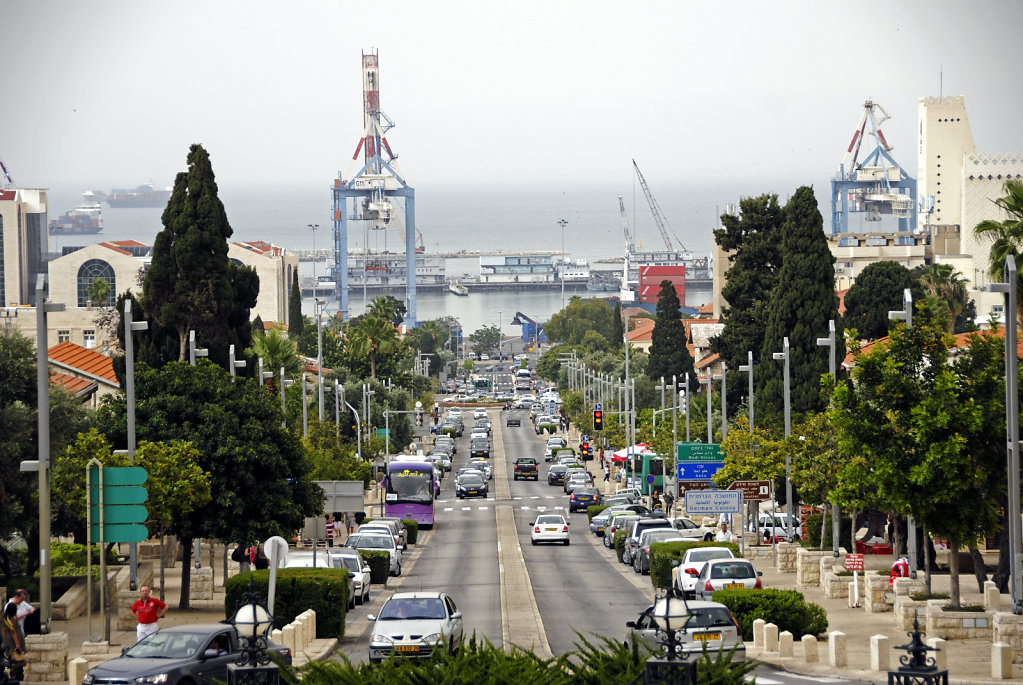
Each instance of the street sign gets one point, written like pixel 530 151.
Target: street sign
pixel 597 406
pixel 692 470
pixel 650 479
pixel 120 494
pixel 120 532
pixel 119 475
pixel 712 502
pixel 122 497
pixel 698 451
pixel 684 485
pixel 131 513
pixel 853 562
pixel 753 490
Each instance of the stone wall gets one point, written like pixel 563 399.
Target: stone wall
pixel 906 609
pixel 956 625
pixel 875 599
pixel 808 567
pixel 1008 628
pixel 46 658
pixel 201 584
pixel 787 556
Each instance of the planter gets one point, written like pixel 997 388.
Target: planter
pixel 956 625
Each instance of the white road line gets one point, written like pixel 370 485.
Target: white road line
pixel 449 508
pixel 516 498
pixel 545 508
pixel 537 497
pixel 470 508
pixel 524 507
pixel 485 508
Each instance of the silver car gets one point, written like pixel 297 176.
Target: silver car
pixel 726 574
pixel 710 623
pixel 358 569
pixel 413 624
pixel 379 542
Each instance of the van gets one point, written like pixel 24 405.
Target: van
pixel 775 526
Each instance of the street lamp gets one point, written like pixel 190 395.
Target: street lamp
pixel 836 516
pixel 906 314
pixel 319 350
pixel 666 665
pixel 194 351
pixel 563 223
pixel 784 356
pixel 252 622
pixel 313 227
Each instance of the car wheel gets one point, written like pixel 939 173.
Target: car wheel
pixel 567 542
pixel 399 570
pixel 534 542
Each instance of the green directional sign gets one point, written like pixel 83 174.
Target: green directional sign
pixel 130 513
pixel 123 497
pixel 119 475
pixel 698 452
pixel 122 494
pixel 120 532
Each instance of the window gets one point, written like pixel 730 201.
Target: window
pixel 63 335
pixel 92 270
pixel 90 338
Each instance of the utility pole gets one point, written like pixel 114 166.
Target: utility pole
pixel 836 514
pixel 906 314
pixel 784 357
pixel 319 347
pixel 563 223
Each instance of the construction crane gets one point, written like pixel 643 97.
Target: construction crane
pixel 656 211
pixel 630 245
pixel 5 176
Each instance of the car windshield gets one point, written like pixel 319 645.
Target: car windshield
pixel 657 536
pixel 167 645
pixel 472 481
pixel 411 609
pixel 540 520
pixel 732 570
pixel 708 554
pixel 352 564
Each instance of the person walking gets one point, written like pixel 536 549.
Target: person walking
pixel 147 611
pixel 22 606
pixel 329 528
pixel 12 641
pixel 607 473
pixel 350 521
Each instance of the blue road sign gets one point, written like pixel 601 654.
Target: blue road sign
pixel 597 406
pixel 698 470
pixel 650 479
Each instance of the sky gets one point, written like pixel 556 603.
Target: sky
pixel 112 93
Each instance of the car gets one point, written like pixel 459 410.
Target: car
pixel 471 486
pixel 483 465
pixel 726 574
pixel 777 526
pixel 446 441
pixel 526 467
pixel 556 474
pixel 513 421
pixel 187 653
pixel 413 624
pixel 641 559
pixel 377 541
pixel 577 479
pixel 484 424
pixel 599 522
pixel 549 528
pixel 638 527
pixel 358 570
pixel 479 413
pixel 710 624
pixel 581 498
pixel 385 526
pixel 452 425
pixel 620 520
pixel 469 470
pixel 484 357
pixel 479 447
pixel 683 576
pixel 691 530
pixel 441 460
pixel 399 523
pixel 556 441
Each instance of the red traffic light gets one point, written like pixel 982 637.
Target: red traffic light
pixel 598 420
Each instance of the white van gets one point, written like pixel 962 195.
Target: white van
pixel 775 526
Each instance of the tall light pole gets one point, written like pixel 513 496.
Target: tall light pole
pixel 563 223
pixel 194 351
pixel 724 400
pixel 319 350
pixel 784 357
pixel 313 227
pixel 129 376
pixel 836 514
pixel 906 314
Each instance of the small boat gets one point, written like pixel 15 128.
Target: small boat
pixel 84 219
pixel 458 289
pixel 146 195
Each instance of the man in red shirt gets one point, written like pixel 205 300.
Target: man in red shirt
pixel 147 610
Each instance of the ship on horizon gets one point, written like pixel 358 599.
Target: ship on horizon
pixel 145 195
pixel 85 219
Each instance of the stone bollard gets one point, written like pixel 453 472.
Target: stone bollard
pixel 837 650
pixel 76 669
pixel 46 657
pixel 277 636
pixel 312 625
pixel 810 649
pixel 992 598
pixel 288 639
pixel 940 657
pixel 758 632
pixel 1001 661
pixel 201 585
pixel 785 644
pixel 880 657
pixel 770 638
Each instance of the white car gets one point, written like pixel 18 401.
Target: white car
pixel 455 412
pixel 377 541
pixel 480 413
pixel 413 624
pixel 683 576
pixel 726 574
pixel 779 527
pixel 357 568
pixel 691 530
pixel 483 465
pixel 549 528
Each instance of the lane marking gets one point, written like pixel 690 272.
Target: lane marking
pixel 449 508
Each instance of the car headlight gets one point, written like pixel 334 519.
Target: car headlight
pixel 152 679
pixel 378 639
pixel 87 679
pixel 433 638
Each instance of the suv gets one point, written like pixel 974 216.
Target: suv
pixel 556 474
pixel 638 527
pixel 525 467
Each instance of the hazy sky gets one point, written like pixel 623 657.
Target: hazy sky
pixel 102 94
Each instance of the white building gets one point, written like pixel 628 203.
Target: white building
pixel 23 243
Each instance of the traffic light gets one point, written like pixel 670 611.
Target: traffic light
pixel 585 450
pixel 419 417
pixel 683 399
pixel 598 420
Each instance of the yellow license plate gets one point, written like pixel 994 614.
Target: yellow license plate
pixel 734 586
pixel 407 648
pixel 551 530
pixel 600 529
pixel 704 637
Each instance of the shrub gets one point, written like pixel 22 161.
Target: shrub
pixel 620 537
pixel 324 590
pixel 379 565
pixel 71 554
pixel 812 530
pixel 662 554
pixel 593 511
pixel 787 609
pixel 411 531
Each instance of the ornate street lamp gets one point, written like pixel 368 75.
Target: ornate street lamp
pixel 666 666
pixel 253 665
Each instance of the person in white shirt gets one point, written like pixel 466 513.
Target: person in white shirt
pixel 20 600
pixel 724 535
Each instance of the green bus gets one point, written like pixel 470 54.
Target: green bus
pixel 647 471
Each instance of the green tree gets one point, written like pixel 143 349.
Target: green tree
pixel 617 334
pixel 801 304
pixel 100 292
pixel 277 351
pixel 259 477
pixel 388 308
pixel 669 355
pixel 1006 238
pixel 371 338
pixel 485 340
pixel 191 284
pixel 579 316
pixel 296 322
pixel 948 286
pixel 876 291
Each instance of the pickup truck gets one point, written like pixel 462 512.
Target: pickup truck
pixel 525 467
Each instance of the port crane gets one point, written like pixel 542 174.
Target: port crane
pixel 655 209
pixel 630 244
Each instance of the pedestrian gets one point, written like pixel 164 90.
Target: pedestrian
pixel 724 535
pixel 900 569
pixel 22 606
pixel 147 611
pixel 12 640
pixel 350 521
pixel 240 556
pixel 655 499
pixel 329 528
pixel 669 499
pixel 607 473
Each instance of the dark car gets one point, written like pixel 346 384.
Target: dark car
pixel 556 474
pixel 197 653
pixel 471 486
pixel 480 448
pixel 582 498
pixel 513 421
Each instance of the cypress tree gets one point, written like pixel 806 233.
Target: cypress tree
pixel 875 292
pixel 669 355
pixel 617 337
pixel 801 304
pixel 295 321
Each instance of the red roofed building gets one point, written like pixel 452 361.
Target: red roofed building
pixel 86 373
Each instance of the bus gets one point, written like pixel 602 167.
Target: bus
pixel 409 488
pixel 646 472
pixel 481 383
pixel 523 380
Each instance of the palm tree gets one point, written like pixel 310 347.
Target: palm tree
pixel 373 336
pixel 277 351
pixel 1007 237
pixel 387 308
pixel 947 285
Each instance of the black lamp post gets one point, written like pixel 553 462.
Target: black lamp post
pixel 253 665
pixel 666 666
pixel 916 667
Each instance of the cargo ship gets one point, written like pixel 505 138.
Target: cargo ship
pixel 146 195
pixel 84 219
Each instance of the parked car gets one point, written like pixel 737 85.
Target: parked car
pixel 190 653
pixel 413 624
pixel 710 624
pixel 549 528
pixel 399 524
pixel 777 526
pixel 358 569
pixel 726 574
pixel 384 527
pixel 377 541
pixel 599 522
pixel 641 558
pixel 683 576
pixel 691 530
pixel 581 498
pixel 638 527
pixel 620 520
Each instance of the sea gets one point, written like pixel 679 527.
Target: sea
pixel 453 219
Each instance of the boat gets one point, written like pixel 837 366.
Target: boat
pixel 602 282
pixel 458 289
pixel 146 195
pixel 84 219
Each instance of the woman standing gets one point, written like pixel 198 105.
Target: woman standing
pixel 13 641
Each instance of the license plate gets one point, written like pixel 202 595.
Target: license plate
pixel 551 530
pixel 734 586
pixel 473 492
pixel 704 637
pixel 407 648
pixel 600 529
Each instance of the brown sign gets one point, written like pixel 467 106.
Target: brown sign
pixel 753 490
pixel 684 485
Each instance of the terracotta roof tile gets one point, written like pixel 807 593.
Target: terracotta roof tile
pixel 85 361
pixel 74 385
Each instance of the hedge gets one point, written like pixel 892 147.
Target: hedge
pixel 663 553
pixel 411 531
pixel 812 531
pixel 72 554
pixel 787 609
pixel 324 590
pixel 620 537
pixel 593 510
pixel 379 565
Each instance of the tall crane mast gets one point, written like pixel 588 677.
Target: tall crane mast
pixel 5 176
pixel 656 211
pixel 630 245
